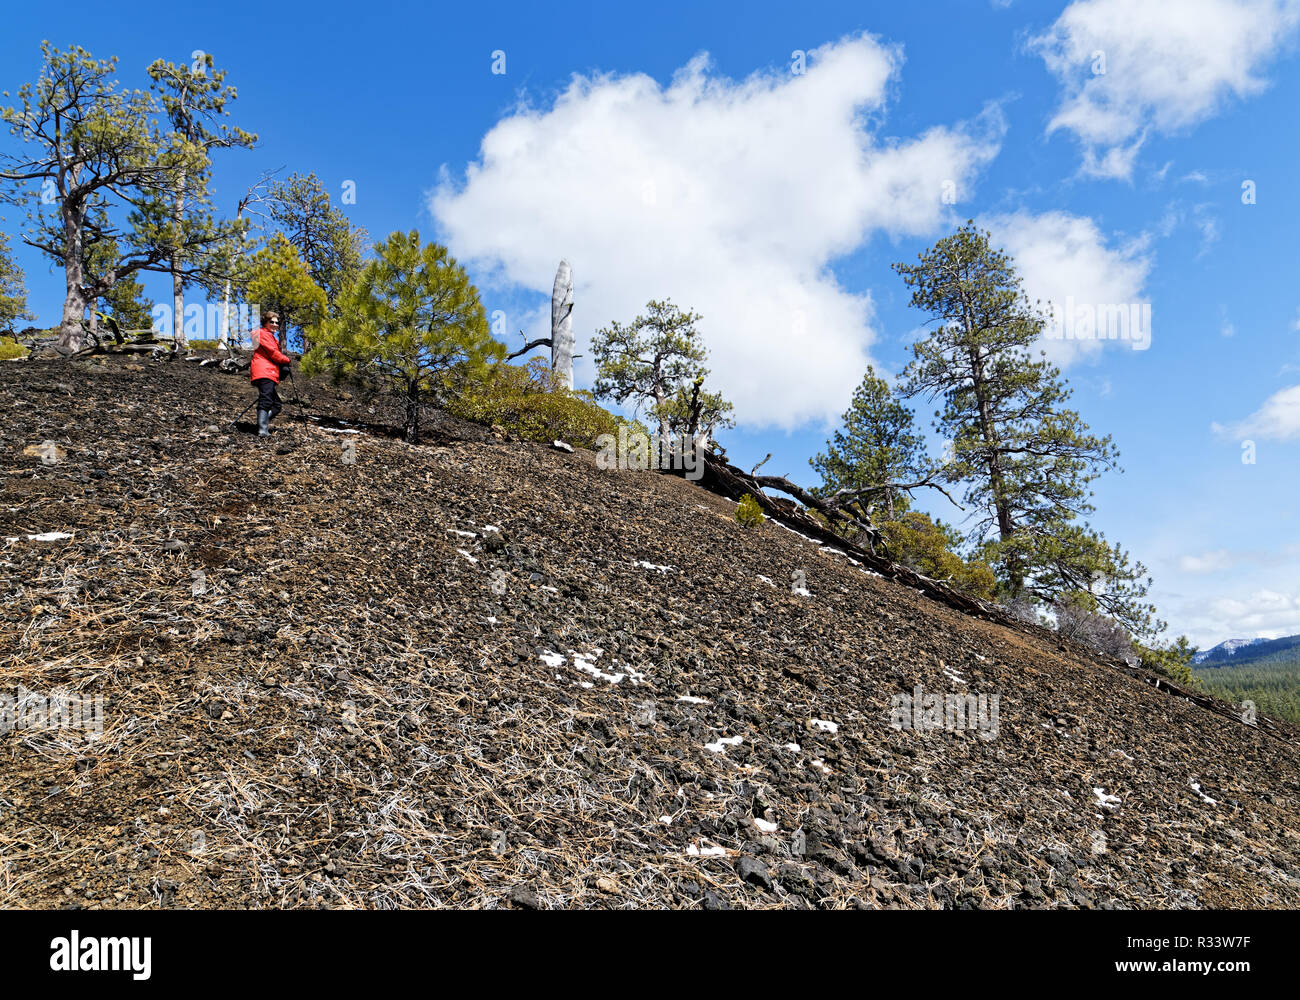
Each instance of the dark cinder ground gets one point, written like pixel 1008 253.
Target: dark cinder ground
pixel 342 710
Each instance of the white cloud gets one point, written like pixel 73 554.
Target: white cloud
pixel 1129 68
pixel 1065 260
pixel 729 197
pixel 1278 419
pixel 1207 225
pixel 1233 593
pixel 1207 562
pixel 1270 613
pixel 1226 327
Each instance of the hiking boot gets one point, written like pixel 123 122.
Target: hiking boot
pixel 263 423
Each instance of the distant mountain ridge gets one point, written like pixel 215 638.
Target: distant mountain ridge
pixel 1239 652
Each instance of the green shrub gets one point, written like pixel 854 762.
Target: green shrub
pixel 1173 661
pixel 10 349
pixel 530 402
pixel 748 512
pixel 928 547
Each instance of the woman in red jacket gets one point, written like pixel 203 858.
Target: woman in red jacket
pixel 265 372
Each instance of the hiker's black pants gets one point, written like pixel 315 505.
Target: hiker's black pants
pixel 267 396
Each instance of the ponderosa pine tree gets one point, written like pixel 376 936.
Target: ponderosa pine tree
pixel 193 100
pixel 657 360
pixel 879 459
pixel 86 143
pixel 278 281
pixel 410 319
pixel 1026 458
pixel 877 446
pixel 329 245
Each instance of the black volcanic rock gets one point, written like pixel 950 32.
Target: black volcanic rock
pixel 347 691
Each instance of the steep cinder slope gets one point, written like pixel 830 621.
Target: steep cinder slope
pixel 340 686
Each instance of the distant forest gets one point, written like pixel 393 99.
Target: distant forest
pixel 1269 676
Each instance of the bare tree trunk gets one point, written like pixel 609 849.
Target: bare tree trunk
pixel 178 290
pixel 224 337
pixel 562 324
pixel 412 412
pixel 178 311
pixel 71 333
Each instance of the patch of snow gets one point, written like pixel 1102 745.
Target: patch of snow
pixel 584 663
pixel 825 725
pixel 1104 800
pixel 792 747
pixel 463 534
pixel 711 851
pixel 765 825
pixel 766 580
pixel 47 536
pixel 692 699
pixel 467 555
pixel 334 430
pixel 650 565
pixel 953 676
pixel 666 820
pixel 821 766
pixel 723 743
pixel 490 527
pixel 1204 798
pixel 793 532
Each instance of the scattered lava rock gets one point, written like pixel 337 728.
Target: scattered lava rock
pixel 483 673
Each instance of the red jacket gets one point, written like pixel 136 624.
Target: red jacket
pixel 268 357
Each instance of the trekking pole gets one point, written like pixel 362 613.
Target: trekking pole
pixel 245 410
pixel 296 398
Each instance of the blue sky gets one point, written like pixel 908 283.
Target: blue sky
pixel 687 151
